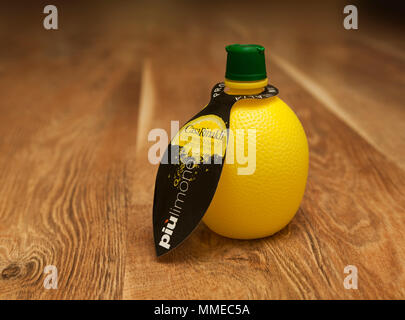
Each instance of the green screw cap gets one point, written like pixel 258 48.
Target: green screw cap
pixel 245 62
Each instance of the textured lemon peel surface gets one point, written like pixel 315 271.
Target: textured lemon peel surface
pixel 258 205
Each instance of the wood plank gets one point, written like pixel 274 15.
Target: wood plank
pixel 66 126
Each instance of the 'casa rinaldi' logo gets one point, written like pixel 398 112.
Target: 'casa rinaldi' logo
pixel 206 132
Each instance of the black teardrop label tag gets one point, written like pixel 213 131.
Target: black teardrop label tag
pixel 190 169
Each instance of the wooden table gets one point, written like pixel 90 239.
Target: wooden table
pixel 76 185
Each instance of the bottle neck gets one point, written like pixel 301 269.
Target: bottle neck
pixel 245 87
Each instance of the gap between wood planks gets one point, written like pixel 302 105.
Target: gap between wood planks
pixel 146 105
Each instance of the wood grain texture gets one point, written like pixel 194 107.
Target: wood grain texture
pixel 67 117
pixel 77 187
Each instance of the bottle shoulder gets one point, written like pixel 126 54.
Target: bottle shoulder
pixel 255 104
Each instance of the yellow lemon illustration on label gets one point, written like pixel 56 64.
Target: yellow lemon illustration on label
pixel 202 138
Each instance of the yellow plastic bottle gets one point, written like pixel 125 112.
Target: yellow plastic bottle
pixel 259 204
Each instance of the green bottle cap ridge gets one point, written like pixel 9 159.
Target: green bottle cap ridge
pixel 245 62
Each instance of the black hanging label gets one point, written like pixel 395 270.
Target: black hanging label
pixel 190 169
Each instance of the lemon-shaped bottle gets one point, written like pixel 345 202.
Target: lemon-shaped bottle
pixel 263 201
